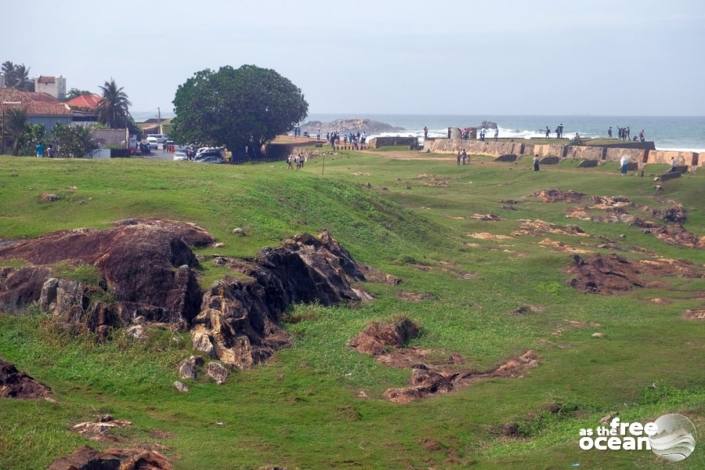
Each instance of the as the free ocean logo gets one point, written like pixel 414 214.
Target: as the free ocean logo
pixel 671 437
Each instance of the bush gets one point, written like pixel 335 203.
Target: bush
pixel 72 141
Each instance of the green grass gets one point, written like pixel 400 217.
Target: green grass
pixel 301 409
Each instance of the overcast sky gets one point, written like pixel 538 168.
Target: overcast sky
pixel 639 57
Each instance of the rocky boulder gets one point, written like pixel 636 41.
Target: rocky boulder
pixel 239 320
pixel 86 458
pixel 146 265
pixel 16 384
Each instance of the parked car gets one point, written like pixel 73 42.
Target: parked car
pixel 210 158
pixel 180 154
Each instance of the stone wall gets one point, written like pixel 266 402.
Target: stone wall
pixel 637 151
pixel 377 142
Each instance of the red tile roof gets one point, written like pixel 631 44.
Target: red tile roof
pixel 90 101
pixel 34 104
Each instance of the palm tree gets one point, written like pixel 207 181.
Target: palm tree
pixel 114 108
pixel 17 76
pixel 15 127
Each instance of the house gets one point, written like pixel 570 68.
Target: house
pixel 54 86
pixel 41 108
pixel 84 109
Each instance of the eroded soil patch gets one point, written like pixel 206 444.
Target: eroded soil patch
pixel 432 372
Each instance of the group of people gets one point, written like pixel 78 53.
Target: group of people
pixel 462 157
pixel 558 131
pixel 624 133
pixel 295 161
pixel 42 151
pixel 356 140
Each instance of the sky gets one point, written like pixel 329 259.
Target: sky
pixel 534 57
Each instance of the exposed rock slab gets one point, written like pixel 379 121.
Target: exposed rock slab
pixel 147 265
pixel 16 384
pixel 239 319
pixel 86 458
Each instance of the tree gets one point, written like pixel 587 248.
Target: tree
pixel 15 123
pixel 17 76
pixel 114 108
pixel 239 108
pixel 72 141
pixel 75 93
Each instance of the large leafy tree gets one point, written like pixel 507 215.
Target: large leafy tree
pixel 114 107
pixel 17 76
pixel 16 126
pixel 240 108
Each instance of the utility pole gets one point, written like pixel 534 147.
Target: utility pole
pixel 159 117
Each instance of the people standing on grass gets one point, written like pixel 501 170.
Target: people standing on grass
pixel 535 162
pixel 39 150
pixel 458 157
pixel 425 132
pixel 465 157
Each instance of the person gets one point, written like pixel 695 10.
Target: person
pixel 561 130
pixel 459 157
pixel 39 150
pixel 50 151
pixel 496 133
pixel 548 132
pixel 641 136
pixel 609 132
pixel 465 157
pixel 302 159
pixel 425 132
pixel 289 160
pixel 536 162
pixel 623 164
pixel 449 132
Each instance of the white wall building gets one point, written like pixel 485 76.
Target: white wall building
pixel 54 86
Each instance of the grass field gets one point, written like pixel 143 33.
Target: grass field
pixel 301 409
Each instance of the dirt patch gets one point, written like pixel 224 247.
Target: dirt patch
pixel 16 384
pixel 533 227
pixel 100 429
pixel 556 195
pixel 527 310
pixel 428 381
pixel 379 337
pixel 562 247
pixel 610 202
pixel 433 181
pixel 122 459
pixel 673 234
pixel 488 236
pixel 607 274
pixel 486 217
pixel 415 296
pixel 696 314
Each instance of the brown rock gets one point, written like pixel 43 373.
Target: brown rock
pixel 16 384
pixel 217 372
pixel 85 458
pixel 378 337
pixel 188 368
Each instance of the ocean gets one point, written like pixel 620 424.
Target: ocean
pixel 668 132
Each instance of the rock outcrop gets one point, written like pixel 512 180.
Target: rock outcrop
pixel 239 320
pixel 16 384
pixel 86 458
pixel 344 126
pixel 146 265
pixel 147 274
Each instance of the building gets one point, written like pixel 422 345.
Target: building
pixel 41 108
pixel 84 109
pixel 54 86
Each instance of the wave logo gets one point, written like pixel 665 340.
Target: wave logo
pixel 674 439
